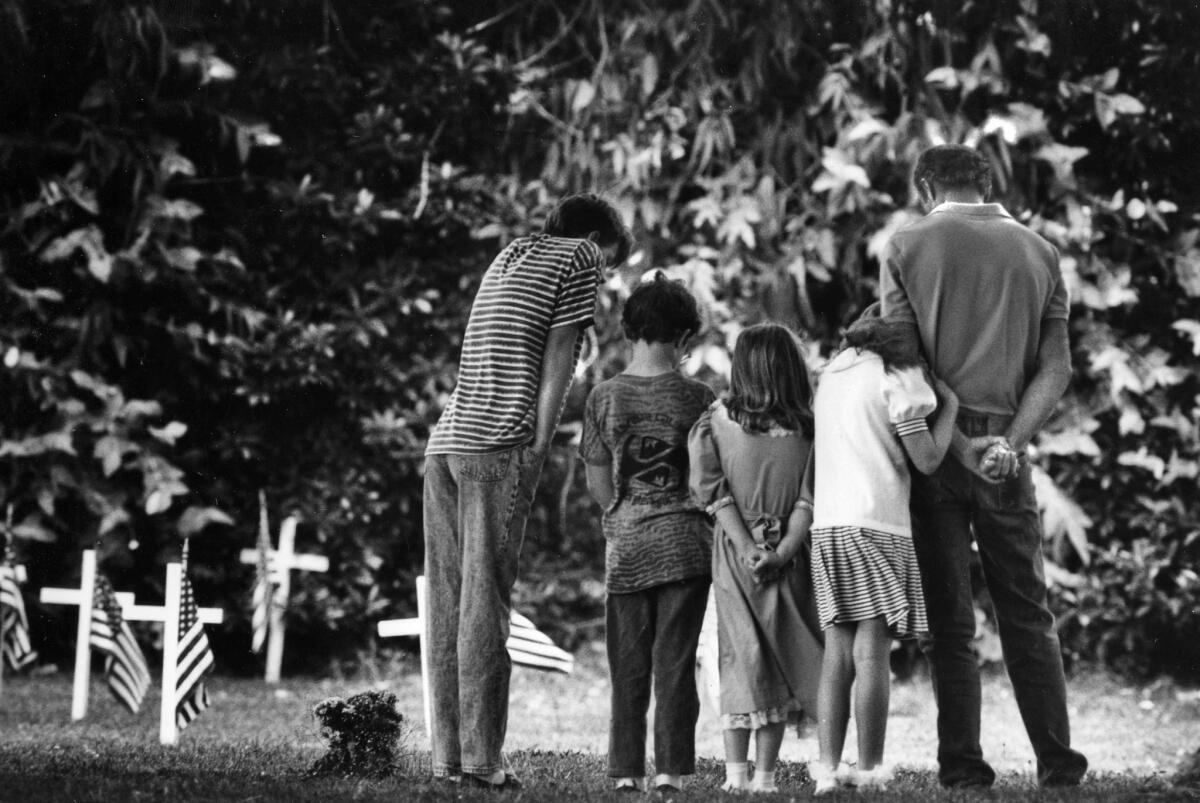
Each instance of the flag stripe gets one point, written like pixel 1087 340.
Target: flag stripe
pixel 261 603
pixel 194 660
pixel 16 649
pixel 528 646
pixel 125 669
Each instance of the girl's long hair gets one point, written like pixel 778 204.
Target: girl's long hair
pixel 888 338
pixel 769 384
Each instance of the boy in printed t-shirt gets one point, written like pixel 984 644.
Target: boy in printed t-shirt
pixel 482 465
pixel 658 554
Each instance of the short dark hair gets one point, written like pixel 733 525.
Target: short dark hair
pixel 580 215
pixel 954 167
pixel 660 310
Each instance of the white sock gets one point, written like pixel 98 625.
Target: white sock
pixel 670 780
pixel 763 781
pixel 736 776
pixel 636 783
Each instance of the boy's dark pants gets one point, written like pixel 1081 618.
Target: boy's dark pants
pixel 653 634
pixel 475 512
pixel 947 506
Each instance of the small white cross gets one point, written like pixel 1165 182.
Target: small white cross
pixel 167 613
pixel 390 628
pixel 280 562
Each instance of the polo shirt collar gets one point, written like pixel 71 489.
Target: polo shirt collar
pixel 971 209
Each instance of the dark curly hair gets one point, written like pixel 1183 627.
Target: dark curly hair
pixel 581 215
pixel 660 310
pixel 954 167
pixel 769 384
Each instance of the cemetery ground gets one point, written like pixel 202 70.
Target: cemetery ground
pixel 257 741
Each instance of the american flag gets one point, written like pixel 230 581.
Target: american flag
pixel 15 649
pixel 125 667
pixel 263 586
pixel 193 660
pixel 528 646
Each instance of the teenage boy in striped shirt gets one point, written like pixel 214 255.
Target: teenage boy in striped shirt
pixel 482 465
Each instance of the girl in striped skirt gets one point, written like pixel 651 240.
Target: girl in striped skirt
pixel 874 405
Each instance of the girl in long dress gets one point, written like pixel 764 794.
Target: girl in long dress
pixel 748 456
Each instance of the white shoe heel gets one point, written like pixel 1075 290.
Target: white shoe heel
pixel 826 779
pixel 875 780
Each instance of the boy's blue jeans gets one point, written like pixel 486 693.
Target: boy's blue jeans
pixel 949 507
pixel 475 512
pixel 653 634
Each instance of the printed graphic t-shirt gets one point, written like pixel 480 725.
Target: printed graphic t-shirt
pixel 654 532
pixel 534 285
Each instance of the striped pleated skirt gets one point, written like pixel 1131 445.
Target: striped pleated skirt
pixel 861 574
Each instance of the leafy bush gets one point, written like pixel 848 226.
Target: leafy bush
pixel 363 734
pixel 240 240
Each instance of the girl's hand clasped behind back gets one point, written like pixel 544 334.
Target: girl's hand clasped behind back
pixel 767 564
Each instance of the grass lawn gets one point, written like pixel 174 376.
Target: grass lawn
pixel 255 743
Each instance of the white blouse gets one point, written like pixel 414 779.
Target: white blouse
pixel 861 470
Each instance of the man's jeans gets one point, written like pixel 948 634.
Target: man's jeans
pixel 948 507
pixel 475 512
pixel 653 633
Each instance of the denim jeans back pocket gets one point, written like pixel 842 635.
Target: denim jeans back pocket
pixel 487 467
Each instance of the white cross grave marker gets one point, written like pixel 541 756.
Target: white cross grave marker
pixel 280 562
pixel 526 645
pixel 390 628
pixel 167 613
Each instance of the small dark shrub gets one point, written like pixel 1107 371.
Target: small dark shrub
pixel 1188 776
pixel 363 734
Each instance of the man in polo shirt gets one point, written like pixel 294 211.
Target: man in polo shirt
pixel 986 300
pixel 482 464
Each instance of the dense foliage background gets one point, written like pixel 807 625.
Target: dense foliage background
pixel 239 241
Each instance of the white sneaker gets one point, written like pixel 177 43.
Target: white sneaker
pixel 668 783
pixel 876 779
pixel 826 778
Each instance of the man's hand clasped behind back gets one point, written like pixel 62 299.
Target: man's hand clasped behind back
pixel 992 458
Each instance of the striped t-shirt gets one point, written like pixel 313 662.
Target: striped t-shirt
pixel 534 285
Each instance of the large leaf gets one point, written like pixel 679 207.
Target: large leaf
pixel 1187 272
pixel 1109 107
pixel 38 444
pixel 90 242
pixel 1062 517
pixel 194 519
pixel 1062 158
pixel 172 432
pixel 111 451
